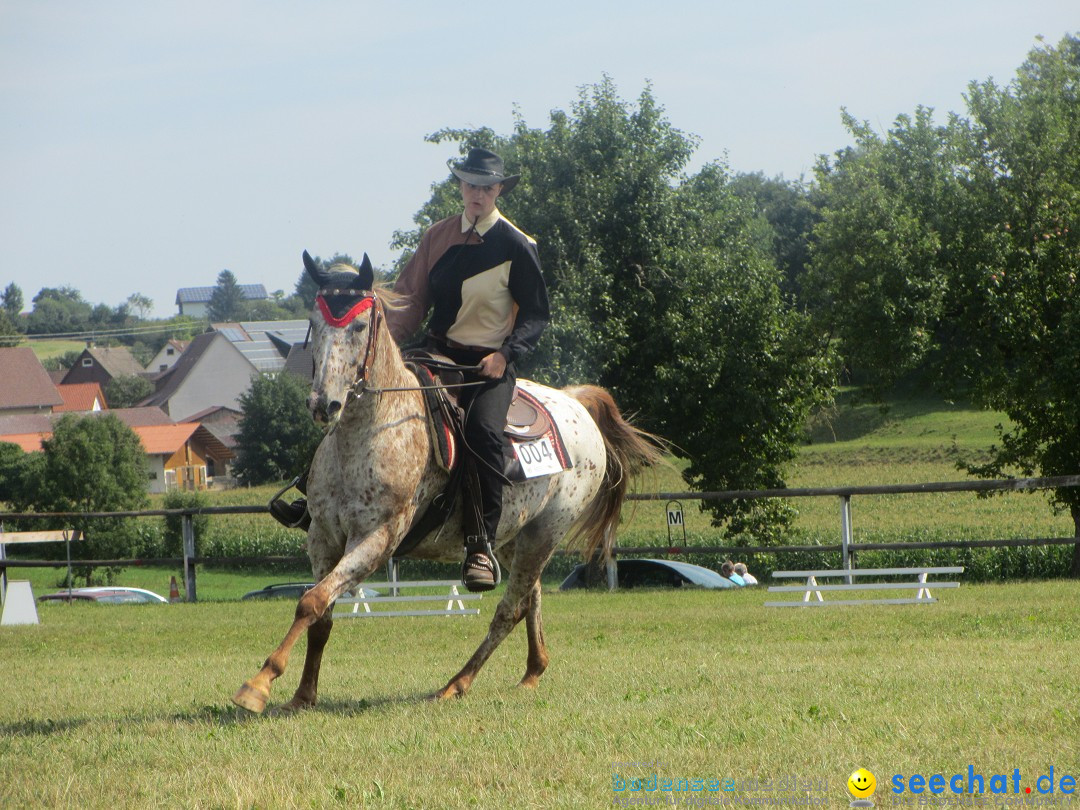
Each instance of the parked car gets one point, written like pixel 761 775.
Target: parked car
pixel 291 590
pixel 106 595
pixel 281 590
pixel 655 574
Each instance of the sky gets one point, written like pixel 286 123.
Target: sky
pixel 147 145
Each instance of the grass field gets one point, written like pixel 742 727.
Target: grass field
pixel 116 707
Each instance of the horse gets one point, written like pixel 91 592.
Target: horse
pixel 376 471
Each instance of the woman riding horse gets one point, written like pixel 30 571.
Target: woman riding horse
pixel 481 277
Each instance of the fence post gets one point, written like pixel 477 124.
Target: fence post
pixel 845 535
pixel 188 531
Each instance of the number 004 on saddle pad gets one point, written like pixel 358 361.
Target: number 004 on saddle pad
pixel 534 437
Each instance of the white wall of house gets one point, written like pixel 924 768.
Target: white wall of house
pixel 164 359
pixel 221 375
pixel 194 309
pixel 156 468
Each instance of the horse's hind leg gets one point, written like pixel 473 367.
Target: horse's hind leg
pixel 522 600
pixel 537 661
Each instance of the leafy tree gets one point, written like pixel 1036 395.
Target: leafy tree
pixel 277 435
pixel 788 210
pixel 227 300
pixel 661 291
pixel 11 459
pixel 953 247
pixel 57 310
pixel 9 332
pixel 127 391
pixel 11 301
pixel 141 304
pixel 90 464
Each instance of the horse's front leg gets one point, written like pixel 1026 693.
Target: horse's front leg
pixel 311 616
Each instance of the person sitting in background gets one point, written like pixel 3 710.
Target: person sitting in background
pixel 728 570
pixel 747 577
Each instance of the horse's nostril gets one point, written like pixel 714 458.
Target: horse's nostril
pixel 333 408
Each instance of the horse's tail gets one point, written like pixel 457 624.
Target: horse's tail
pixel 629 451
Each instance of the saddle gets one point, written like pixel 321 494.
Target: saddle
pixel 438 375
pixel 527 420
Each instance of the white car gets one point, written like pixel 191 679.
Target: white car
pixel 105 595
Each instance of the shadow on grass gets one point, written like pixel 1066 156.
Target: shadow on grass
pixel 43 728
pixel 230 715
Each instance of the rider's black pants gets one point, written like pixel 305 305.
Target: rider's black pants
pixel 485 417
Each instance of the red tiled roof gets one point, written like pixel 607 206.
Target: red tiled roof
pixel 26 383
pixel 80 397
pixel 157 440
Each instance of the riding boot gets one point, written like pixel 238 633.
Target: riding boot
pixel 293 515
pixel 480 571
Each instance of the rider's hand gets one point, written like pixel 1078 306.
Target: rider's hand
pixel 493 366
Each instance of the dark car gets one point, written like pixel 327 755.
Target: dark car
pixel 105 595
pixel 281 590
pixel 290 590
pixel 656 574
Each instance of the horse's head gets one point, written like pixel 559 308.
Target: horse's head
pixel 343 328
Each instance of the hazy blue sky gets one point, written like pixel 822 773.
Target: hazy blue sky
pixel 145 146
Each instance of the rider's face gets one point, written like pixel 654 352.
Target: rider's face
pixel 479 200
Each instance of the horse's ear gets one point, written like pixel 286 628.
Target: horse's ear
pixel 366 279
pixel 317 273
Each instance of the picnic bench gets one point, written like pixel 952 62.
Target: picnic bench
pixel 811 588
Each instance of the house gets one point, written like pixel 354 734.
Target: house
pixel 167 357
pixel 180 456
pixel 102 365
pixel 183 456
pixel 265 343
pixel 26 388
pixel 210 372
pixel 193 301
pixel 81 397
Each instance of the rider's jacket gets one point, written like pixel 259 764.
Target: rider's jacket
pixel 483 285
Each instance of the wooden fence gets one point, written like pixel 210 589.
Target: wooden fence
pixel 846 547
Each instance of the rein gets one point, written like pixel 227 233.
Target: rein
pixel 360 385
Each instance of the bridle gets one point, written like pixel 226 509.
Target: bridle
pixel 367 300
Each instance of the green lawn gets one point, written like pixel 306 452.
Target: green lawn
pixel 122 706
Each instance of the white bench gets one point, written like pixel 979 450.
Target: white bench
pixel 812 588
pixel 367 598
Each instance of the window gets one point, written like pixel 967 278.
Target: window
pixel 87 362
pixel 170 351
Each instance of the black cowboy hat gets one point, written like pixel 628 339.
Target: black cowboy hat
pixel 482 167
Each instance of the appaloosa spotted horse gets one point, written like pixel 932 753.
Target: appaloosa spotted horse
pixel 376 471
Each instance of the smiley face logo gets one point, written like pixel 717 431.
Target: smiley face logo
pixel 861 784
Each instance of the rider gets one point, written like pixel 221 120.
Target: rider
pixel 480 278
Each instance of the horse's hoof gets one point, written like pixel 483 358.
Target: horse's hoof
pixel 250 698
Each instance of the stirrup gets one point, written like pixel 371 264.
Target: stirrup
pixel 293 515
pixel 480 571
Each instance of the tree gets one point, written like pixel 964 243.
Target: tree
pixel 127 390
pixel 227 300
pixel 58 310
pixel 90 464
pixel 660 290
pixel 952 248
pixel 880 252
pixel 143 305
pixel 11 301
pixel 277 437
